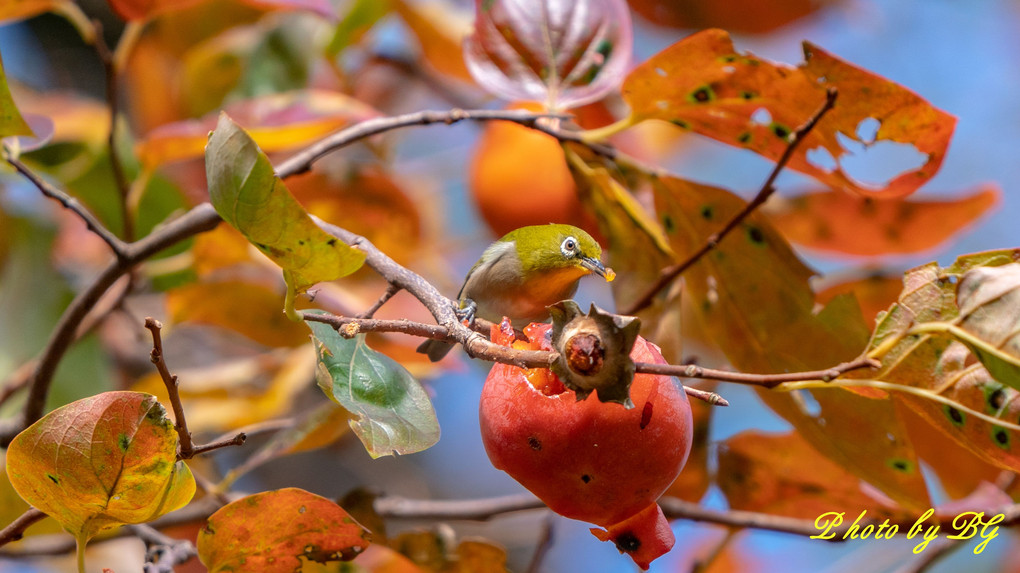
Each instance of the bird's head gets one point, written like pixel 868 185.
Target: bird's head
pixel 556 249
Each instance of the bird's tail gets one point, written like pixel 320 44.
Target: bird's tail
pixel 435 349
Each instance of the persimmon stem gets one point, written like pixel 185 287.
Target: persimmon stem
pixel 669 274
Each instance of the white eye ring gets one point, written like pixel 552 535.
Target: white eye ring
pixel 569 247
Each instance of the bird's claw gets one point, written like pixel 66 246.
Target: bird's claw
pixel 466 312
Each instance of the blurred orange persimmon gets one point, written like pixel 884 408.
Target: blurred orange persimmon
pixel 519 176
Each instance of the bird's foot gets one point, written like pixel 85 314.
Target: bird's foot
pixel 466 312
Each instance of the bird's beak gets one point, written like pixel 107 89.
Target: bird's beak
pixel 596 266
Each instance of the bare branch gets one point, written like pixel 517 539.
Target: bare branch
pixel 71 204
pixel 669 274
pixel 391 290
pixel 467 509
pixel 545 542
pixel 201 218
pixel 162 552
pixel 112 103
pixel 764 380
pixel 303 160
pixel 16 529
pixel 186 448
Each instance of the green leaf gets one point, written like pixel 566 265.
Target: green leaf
pixel 360 18
pixel 11 122
pixel 394 412
pixel 247 194
pixel 989 302
pixel 101 462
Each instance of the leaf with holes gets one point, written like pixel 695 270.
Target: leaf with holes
pixel 751 296
pixel 101 462
pixel 278 532
pixel 249 196
pixel 394 412
pixel 703 84
pixel 834 222
pixel 952 391
pixel 560 53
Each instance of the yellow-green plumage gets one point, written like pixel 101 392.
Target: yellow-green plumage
pixel 525 271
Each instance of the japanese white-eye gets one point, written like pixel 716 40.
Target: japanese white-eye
pixel 524 272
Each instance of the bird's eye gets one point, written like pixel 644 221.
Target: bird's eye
pixel 569 247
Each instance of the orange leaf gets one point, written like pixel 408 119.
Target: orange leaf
pixel 276 122
pixel 101 462
pixel 836 222
pixel 21 9
pixel 751 295
pixel 440 30
pixel 247 308
pixel 277 531
pixel 701 83
pixel 784 475
pixel 874 293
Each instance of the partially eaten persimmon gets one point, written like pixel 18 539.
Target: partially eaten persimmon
pixel 589 460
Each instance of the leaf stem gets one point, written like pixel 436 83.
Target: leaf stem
pixel 893 387
pixel 669 274
pixel 601 134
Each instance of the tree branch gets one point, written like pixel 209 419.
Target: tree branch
pixel 162 552
pixel 669 274
pixel 70 203
pixel 186 448
pixel 303 160
pixel 112 103
pixel 201 218
pixel 16 529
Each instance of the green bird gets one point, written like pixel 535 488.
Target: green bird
pixel 522 273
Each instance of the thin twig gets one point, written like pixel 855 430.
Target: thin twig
pixel 930 556
pixel 303 160
pixel 16 529
pixel 466 509
pixel 391 290
pixel 112 102
pixel 70 203
pixel 186 448
pixel 545 542
pixel 199 219
pixel 669 274
pixel 237 440
pixel 763 380
pixel 162 552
